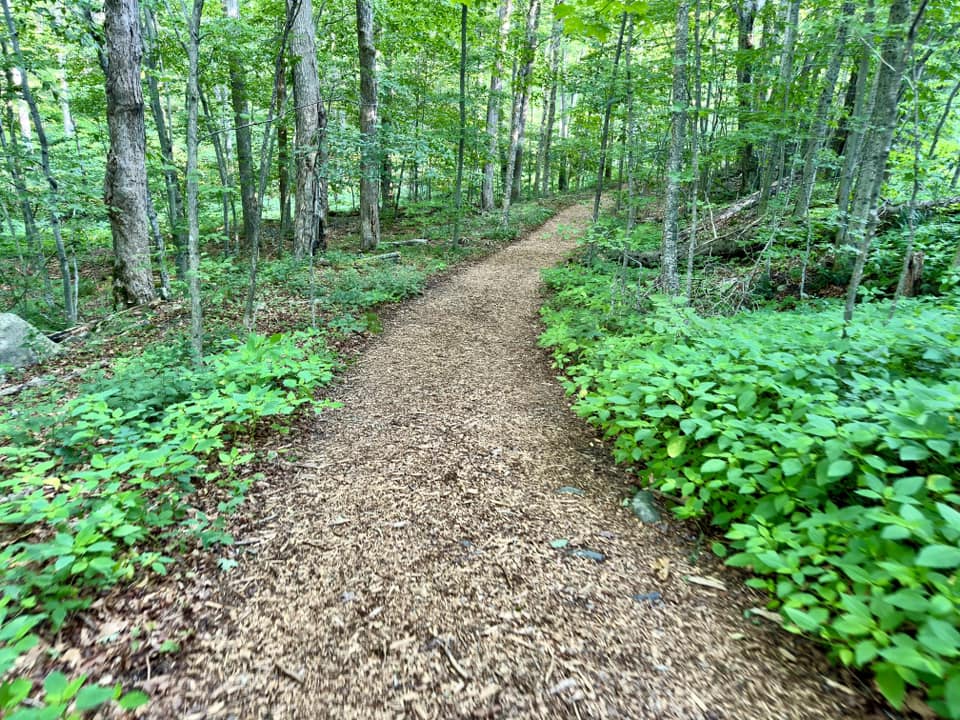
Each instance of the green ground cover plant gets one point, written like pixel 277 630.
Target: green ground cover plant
pixel 827 464
pixel 99 488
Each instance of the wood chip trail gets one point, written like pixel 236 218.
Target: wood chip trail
pixel 408 572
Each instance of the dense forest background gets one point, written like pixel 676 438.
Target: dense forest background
pixel 762 314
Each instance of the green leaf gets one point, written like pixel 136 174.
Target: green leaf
pixel 791 466
pixel 133 700
pixel 913 453
pixel 891 685
pixel 746 400
pixel 864 652
pixel 951 694
pixel 839 469
pixel 676 446
pixel 939 556
pixel 93 696
pixel 713 465
pixel 801 619
pixel 54 685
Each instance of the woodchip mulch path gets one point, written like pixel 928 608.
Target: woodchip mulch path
pixel 404 568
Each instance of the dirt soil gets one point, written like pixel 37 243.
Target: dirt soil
pixel 403 567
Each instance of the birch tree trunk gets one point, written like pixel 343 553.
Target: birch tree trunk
pixel 309 217
pixel 369 165
pixel 669 275
pixel 518 116
pixel 487 202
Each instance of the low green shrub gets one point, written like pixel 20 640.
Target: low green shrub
pixel 828 463
pixel 97 489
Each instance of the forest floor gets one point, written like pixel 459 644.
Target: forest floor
pixel 402 565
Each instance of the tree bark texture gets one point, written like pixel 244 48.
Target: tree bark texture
pixel 520 93
pixel 487 202
pixel 607 110
pixel 895 49
pixel 241 121
pixel 461 142
pixel 669 274
pixel 193 220
pixel 309 217
pixel 126 173
pixel 369 164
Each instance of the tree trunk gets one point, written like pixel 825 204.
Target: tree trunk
pixel 876 147
pixel 669 275
pixel 34 248
pixel 864 99
pixel 223 167
pixel 942 121
pixel 242 118
pixel 694 152
pixel 193 220
pixel 369 165
pixel 746 16
pixel 518 116
pixel 774 165
pixel 458 187
pixel 819 127
pixel 551 104
pixel 608 108
pixel 69 299
pixel 487 202
pixel 283 167
pixel 309 216
pixel 126 173
pixel 170 179
pixel 631 131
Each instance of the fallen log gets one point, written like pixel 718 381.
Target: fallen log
pixel 385 257
pixel 887 213
pixel 413 241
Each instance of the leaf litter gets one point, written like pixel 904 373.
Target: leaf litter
pixel 360 597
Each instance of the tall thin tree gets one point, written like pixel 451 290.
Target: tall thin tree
pixel 669 276
pixel 369 152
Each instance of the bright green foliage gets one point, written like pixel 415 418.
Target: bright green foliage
pixel 829 463
pixel 64 698
pixel 98 488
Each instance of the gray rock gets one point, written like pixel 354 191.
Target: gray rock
pixel 21 344
pixel 644 508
